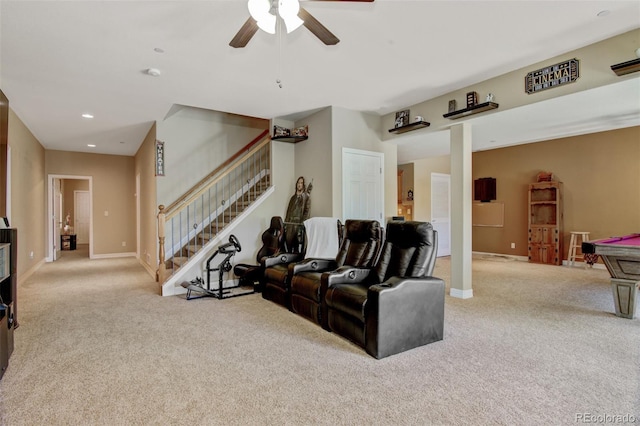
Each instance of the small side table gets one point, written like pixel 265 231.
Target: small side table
pixel 68 242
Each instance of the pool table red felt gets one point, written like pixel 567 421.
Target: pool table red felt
pixel 627 240
pixel 629 243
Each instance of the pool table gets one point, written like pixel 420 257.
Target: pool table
pixel 621 256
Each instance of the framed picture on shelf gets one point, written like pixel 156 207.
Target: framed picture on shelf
pixel 402 118
pixel 281 131
pixel 472 99
pixel 452 105
pixel 301 131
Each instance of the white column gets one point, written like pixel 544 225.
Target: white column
pixel 461 198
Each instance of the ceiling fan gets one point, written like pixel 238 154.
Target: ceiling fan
pixel 265 13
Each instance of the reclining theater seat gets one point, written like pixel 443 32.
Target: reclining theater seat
pixel 396 305
pixel 360 246
pixel 272 244
pixel 275 281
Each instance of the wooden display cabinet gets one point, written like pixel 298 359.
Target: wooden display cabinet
pixel 545 223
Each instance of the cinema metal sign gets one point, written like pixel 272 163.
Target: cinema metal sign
pixel 552 76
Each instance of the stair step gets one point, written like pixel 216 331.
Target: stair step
pixel 179 260
pixel 193 248
pixel 206 236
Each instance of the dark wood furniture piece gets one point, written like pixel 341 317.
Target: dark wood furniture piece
pixel 68 242
pixel 475 109
pixel 8 293
pixel 545 223
pixel 621 256
pixel 290 139
pixel 409 127
pixel 484 189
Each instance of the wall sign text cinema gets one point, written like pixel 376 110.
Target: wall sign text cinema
pixel 552 76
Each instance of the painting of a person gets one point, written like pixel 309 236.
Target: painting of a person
pixel 297 212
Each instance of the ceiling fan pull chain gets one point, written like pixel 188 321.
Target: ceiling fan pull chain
pixel 279 65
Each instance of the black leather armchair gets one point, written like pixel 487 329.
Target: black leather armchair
pixel 396 305
pixel 275 281
pixel 272 244
pixel 361 243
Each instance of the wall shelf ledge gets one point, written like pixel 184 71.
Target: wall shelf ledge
pixel 485 106
pixel 409 127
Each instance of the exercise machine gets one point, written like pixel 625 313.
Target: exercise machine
pixel 197 285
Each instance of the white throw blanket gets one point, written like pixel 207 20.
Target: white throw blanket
pixel 322 237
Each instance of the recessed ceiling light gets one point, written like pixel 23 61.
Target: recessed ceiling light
pixel 603 13
pixel 158 50
pixel 90 145
pixel 87 115
pixel 154 72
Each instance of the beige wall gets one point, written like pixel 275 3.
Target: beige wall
pixel 28 195
pixel 144 165
pixel 422 184
pixel 113 196
pixel 601 178
pixel 595 71
pixel 313 161
pixel 358 130
pixel 196 142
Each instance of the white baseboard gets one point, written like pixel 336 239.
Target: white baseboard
pixel 461 294
pixel 148 268
pixel 113 255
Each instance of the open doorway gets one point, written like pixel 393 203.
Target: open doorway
pixel 70 223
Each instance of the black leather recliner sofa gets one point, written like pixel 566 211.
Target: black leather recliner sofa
pixel 361 243
pixel 275 284
pixel 396 305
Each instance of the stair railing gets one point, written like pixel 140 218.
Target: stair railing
pixel 190 222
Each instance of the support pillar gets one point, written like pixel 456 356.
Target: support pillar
pixel 461 199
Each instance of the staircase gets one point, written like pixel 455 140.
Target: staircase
pixel 190 224
pixel 208 231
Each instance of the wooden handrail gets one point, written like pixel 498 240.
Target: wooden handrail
pixel 196 189
pixel 161 274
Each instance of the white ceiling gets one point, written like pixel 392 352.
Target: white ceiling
pixel 59 59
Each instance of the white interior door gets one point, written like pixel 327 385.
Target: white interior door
pixel 441 211
pixel 362 185
pixel 56 218
pixel 81 222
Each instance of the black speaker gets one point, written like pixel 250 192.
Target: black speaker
pixel 484 189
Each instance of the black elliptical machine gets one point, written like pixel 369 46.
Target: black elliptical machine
pixel 197 285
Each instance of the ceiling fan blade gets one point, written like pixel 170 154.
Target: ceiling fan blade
pixel 319 30
pixel 245 33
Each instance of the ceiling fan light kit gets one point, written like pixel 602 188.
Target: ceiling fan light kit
pixel 265 14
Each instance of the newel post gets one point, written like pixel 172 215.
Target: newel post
pixel 162 268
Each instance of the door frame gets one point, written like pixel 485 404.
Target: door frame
pixel 448 178
pixel 75 209
pixel 51 244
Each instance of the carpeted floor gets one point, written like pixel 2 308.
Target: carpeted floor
pixel 97 345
